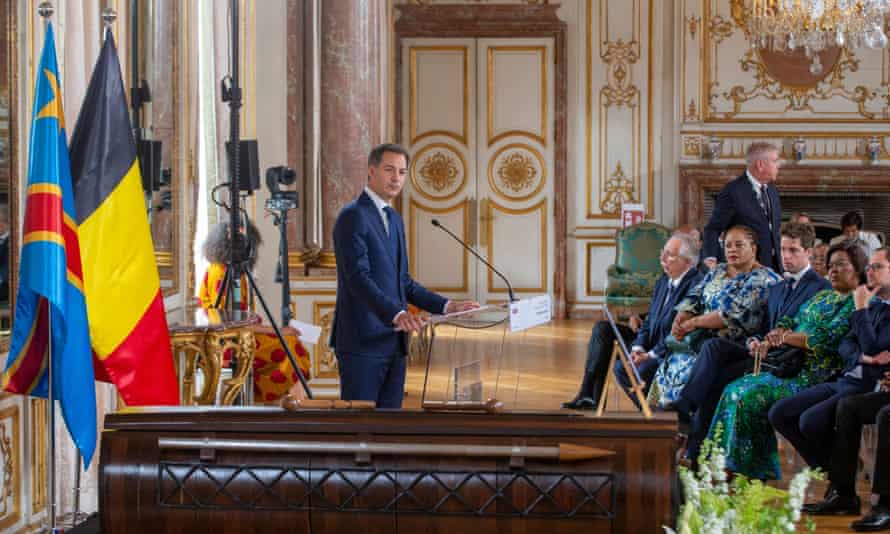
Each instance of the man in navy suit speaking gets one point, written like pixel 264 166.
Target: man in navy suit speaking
pixel 371 318
pixel 751 200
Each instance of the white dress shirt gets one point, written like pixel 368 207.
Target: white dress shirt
pixel 379 203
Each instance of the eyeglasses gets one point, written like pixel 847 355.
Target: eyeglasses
pixel 875 266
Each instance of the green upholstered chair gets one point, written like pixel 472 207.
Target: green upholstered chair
pixel 631 279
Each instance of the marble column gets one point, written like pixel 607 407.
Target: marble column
pixel 350 101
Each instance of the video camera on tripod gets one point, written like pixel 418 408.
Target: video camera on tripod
pixel 281 200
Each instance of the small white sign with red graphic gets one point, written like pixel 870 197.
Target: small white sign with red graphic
pixel 527 313
pixel 632 214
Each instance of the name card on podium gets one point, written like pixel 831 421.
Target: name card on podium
pixel 527 313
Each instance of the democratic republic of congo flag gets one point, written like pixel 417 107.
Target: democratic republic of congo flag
pixel 50 321
pixel 128 328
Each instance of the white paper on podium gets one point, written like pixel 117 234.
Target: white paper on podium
pixel 436 319
pixel 526 313
pixel 309 333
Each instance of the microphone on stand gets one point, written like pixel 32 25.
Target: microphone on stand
pixel 437 224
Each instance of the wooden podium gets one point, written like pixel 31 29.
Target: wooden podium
pixel 267 470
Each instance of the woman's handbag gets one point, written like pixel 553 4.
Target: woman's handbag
pixel 784 362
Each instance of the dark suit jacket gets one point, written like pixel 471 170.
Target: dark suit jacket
pixel 373 283
pixel 657 325
pixel 869 334
pixel 737 204
pixel 781 302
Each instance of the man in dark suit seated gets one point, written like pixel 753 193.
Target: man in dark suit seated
pixel 374 287
pixel 721 361
pixel 678 260
pixel 866 352
pixel 852 414
pixel 753 201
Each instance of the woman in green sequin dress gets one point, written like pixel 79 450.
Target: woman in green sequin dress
pixel 747 436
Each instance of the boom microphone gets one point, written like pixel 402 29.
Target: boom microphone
pixel 437 224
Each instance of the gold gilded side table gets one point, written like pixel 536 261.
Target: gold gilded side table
pixel 200 340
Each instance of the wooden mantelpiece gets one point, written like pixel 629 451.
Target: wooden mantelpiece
pixel 699 179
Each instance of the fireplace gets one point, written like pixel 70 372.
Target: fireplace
pixel 824 192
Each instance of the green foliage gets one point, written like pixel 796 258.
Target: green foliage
pixel 742 507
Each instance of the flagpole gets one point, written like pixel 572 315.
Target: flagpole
pixel 46 10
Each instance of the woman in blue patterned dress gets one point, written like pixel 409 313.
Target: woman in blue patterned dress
pixel 730 302
pixel 818 327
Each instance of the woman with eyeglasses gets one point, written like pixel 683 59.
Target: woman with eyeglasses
pixel 817 330
pixel 730 302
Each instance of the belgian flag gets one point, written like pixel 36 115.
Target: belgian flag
pixel 128 326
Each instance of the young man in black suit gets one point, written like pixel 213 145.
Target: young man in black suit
pixel 721 361
pixel 678 260
pixel 751 200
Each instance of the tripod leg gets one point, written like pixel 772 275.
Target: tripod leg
pixel 284 345
pixel 223 286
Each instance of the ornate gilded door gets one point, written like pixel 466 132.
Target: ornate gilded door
pixel 478 119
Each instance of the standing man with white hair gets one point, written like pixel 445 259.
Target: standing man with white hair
pixel 751 200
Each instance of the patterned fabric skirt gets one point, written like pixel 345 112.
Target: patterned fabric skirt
pixel 273 374
pixel 747 436
pixel 671 377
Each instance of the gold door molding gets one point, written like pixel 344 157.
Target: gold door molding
pixel 10 496
pixel 413 51
pixel 517 172
pixel 438 172
pixel 38 439
pixel 464 206
pixel 493 206
pixel 768 88
pixel 324 361
pixel 621 94
pixel 541 135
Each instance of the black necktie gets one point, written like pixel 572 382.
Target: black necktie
pixel 765 204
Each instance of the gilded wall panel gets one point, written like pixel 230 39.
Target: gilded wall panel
pixel 324 362
pixel 428 68
pixel 619 93
pixel 503 63
pixel 10 466
pixel 742 84
pixel 315 305
pixel 448 270
pixel 598 253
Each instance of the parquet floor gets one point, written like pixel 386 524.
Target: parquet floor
pixel 550 360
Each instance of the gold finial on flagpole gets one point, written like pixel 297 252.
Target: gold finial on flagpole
pixel 46 10
pixel 109 15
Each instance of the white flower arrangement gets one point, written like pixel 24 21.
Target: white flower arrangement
pixel 714 506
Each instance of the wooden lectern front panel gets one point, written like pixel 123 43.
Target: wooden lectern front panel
pixel 262 471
